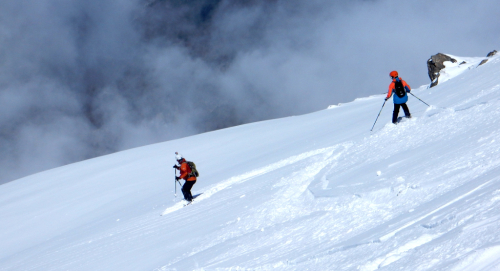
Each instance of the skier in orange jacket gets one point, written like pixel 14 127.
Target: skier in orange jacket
pixel 399 88
pixel 185 174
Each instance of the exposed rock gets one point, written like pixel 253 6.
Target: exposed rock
pixel 435 65
pixel 492 53
pixel 482 62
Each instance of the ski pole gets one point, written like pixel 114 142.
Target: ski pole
pixel 419 99
pixel 378 114
pixel 175 182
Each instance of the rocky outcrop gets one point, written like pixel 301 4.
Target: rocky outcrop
pixel 435 65
pixel 490 54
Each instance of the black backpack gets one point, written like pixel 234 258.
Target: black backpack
pixel 192 166
pixel 399 89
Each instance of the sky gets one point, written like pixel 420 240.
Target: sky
pixel 79 79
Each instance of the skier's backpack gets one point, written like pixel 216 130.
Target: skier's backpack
pixel 192 166
pixel 399 89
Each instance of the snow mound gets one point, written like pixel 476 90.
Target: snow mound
pixel 463 64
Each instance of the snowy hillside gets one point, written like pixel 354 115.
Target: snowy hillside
pixel 311 192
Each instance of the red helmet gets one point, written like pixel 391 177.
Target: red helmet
pixel 394 74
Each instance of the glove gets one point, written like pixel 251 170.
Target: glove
pixel 176 166
pixel 386 99
pixel 177 178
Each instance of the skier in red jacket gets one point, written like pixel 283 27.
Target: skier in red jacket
pixel 186 175
pixel 400 98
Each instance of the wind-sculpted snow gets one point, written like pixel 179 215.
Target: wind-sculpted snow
pixel 247 176
pixel 397 253
pixel 483 259
pixel 312 192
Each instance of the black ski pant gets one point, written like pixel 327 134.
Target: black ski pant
pixel 186 190
pixel 396 111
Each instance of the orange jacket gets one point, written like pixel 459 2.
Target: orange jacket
pixel 393 87
pixel 185 172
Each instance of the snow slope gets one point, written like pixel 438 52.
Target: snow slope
pixel 311 192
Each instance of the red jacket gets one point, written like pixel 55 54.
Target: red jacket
pixel 396 98
pixel 185 172
pixel 392 87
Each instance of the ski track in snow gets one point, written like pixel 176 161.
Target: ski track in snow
pixel 294 211
pixel 422 195
pixel 397 253
pixel 391 234
pixel 486 259
pixel 291 186
pixel 413 222
pixel 250 175
pixel 393 256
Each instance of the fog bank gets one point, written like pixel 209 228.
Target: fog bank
pixel 79 79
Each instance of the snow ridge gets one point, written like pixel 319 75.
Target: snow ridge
pixel 312 192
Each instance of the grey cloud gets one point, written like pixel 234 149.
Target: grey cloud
pixel 80 79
